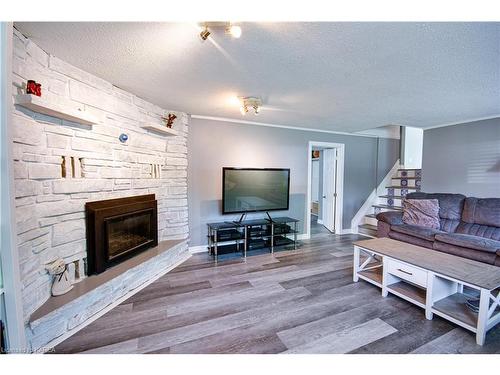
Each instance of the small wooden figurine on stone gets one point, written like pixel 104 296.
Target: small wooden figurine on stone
pixel 169 121
pixel 62 283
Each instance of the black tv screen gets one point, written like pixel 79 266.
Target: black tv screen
pixel 254 189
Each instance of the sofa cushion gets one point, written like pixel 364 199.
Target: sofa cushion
pixel 416 231
pixel 410 239
pixel 470 242
pixel 450 205
pixel 421 212
pixel 493 233
pixel 482 211
pixel 480 256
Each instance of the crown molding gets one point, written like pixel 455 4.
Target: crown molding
pixel 462 122
pixel 246 122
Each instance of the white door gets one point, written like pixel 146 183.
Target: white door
pixel 329 188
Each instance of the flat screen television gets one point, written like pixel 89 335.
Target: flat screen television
pixel 255 189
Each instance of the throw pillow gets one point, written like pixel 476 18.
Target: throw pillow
pixel 421 212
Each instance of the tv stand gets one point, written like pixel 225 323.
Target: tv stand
pixel 269 216
pixel 251 235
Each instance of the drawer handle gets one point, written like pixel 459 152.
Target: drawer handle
pixel 408 273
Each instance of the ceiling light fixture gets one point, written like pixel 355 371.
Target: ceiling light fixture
pixel 250 102
pixel 204 33
pixel 234 30
pixel 228 27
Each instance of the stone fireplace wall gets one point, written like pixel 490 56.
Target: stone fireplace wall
pixel 50 202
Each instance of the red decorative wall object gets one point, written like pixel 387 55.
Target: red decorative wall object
pixel 33 88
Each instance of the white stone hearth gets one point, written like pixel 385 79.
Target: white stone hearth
pixel 57 320
pixel 61 165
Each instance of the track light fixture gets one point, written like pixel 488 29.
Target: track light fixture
pixel 250 102
pixel 228 27
pixel 204 33
pixel 234 31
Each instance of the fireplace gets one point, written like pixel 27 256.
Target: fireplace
pixel 117 229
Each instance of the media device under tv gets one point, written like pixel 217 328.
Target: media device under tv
pixel 247 190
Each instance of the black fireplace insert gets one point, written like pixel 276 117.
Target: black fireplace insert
pixel 118 229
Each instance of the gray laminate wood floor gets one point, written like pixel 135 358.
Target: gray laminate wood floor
pixel 301 301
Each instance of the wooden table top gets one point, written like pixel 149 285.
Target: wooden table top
pixel 469 271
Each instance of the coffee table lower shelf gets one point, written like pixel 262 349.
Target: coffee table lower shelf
pixel 409 292
pixel 454 309
pixel 373 276
pixel 434 292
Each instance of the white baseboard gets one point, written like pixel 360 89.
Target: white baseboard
pixel 347 231
pixel 197 249
pixel 203 248
pixel 111 306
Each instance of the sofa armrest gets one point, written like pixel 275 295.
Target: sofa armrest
pixel 391 217
pixel 383 229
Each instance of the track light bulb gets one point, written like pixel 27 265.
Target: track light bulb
pixel 243 110
pixel 235 31
pixel 256 108
pixel 204 34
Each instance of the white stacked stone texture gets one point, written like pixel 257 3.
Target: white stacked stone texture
pixel 49 207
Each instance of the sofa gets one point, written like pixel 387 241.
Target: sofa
pixel 469 227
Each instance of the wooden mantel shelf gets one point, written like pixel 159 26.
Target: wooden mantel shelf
pixel 163 130
pixel 92 282
pixel 38 104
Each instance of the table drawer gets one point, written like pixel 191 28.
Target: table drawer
pixel 407 272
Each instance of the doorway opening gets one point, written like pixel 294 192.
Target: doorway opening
pixel 324 188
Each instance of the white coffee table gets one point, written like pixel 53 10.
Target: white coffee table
pixel 432 280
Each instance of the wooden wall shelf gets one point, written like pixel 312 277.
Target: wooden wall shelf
pixel 38 104
pixel 163 130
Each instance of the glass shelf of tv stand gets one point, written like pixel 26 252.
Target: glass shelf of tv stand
pixel 262 231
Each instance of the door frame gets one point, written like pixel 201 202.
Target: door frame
pixel 16 336
pixel 340 185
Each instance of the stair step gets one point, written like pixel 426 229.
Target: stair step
pixel 391 196
pixel 368 229
pixel 370 219
pixel 368 226
pixel 406 178
pixel 410 169
pixel 395 208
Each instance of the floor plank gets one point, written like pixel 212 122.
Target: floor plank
pixel 347 340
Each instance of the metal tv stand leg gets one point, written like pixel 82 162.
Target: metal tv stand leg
pixel 246 242
pixel 295 236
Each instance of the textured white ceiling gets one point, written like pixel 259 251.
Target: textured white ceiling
pixel 334 76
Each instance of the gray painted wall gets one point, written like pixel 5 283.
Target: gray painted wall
pixel 463 159
pixel 213 145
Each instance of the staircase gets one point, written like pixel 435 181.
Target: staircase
pixel 405 181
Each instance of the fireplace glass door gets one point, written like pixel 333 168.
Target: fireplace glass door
pixel 127 233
